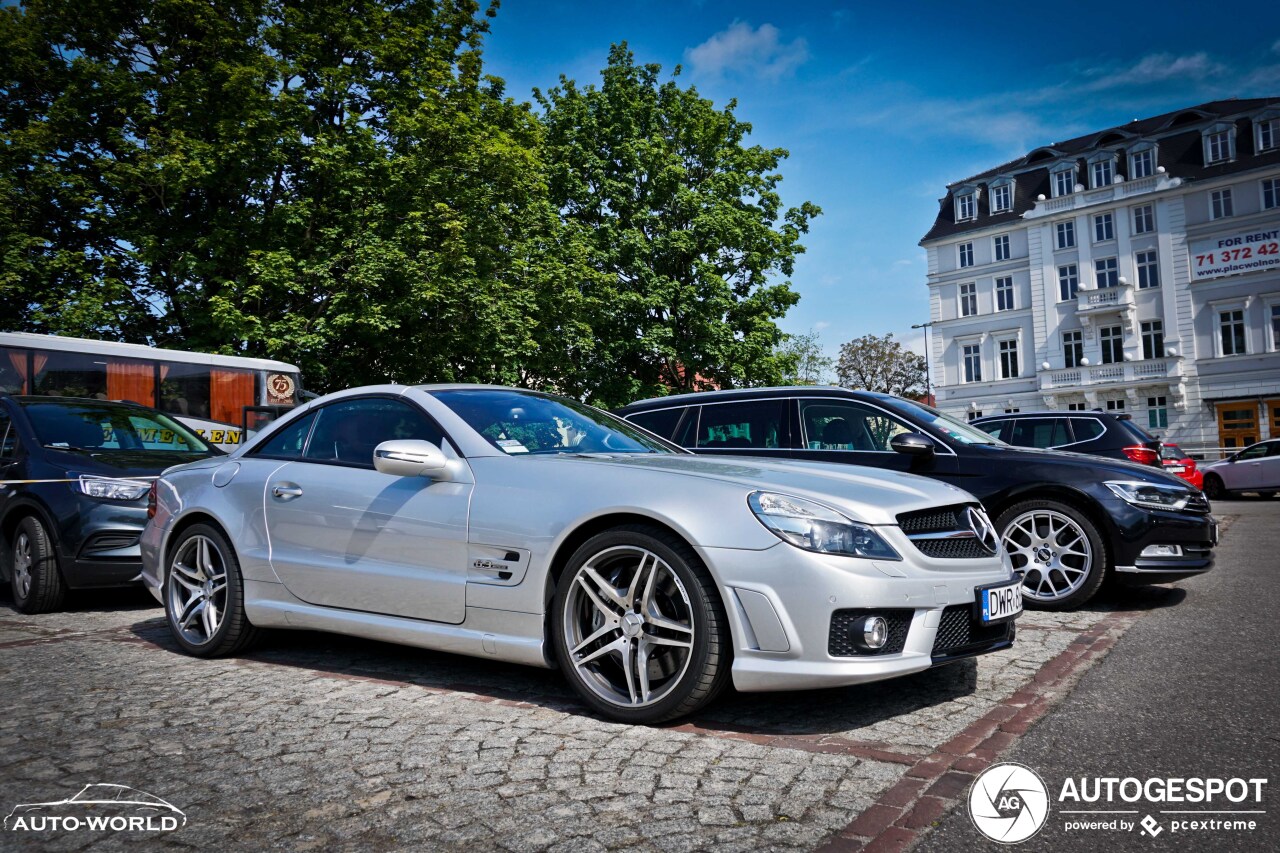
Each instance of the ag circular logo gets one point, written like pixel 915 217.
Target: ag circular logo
pixel 1008 803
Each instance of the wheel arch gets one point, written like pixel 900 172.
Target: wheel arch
pixel 184 523
pixel 23 507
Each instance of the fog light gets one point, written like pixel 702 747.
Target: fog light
pixel 875 632
pixel 1161 551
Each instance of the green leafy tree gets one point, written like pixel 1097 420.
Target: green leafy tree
pixel 881 364
pixel 803 360
pixel 686 232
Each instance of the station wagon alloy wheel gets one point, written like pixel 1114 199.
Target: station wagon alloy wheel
pixel 198 589
pixel 1056 550
pixel 628 626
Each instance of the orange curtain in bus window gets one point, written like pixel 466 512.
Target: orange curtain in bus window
pixel 229 392
pixel 128 380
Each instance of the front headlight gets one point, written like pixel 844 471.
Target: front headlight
pixel 814 527
pixel 1151 495
pixel 115 490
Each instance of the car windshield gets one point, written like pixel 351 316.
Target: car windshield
pixel 92 426
pixel 519 423
pixel 947 425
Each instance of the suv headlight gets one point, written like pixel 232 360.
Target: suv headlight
pixel 814 527
pixel 115 490
pixel 1151 495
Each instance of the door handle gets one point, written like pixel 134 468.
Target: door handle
pixel 282 490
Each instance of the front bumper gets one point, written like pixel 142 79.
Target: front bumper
pixel 781 602
pixel 100 543
pixel 1138 529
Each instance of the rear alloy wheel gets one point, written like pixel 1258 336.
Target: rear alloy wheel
pixel 204 595
pixel 1056 550
pixel 1213 488
pixel 638 627
pixel 35 579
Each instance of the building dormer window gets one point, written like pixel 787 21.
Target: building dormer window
pixel 1142 161
pixel 1219 144
pixel 966 206
pixel 1064 181
pixel 1266 132
pixel 1001 195
pixel 1103 171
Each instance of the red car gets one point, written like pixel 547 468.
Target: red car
pixel 1175 461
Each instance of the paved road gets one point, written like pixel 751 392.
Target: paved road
pixel 1191 690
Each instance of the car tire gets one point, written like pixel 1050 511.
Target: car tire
pixel 1213 487
pixel 1058 551
pixel 204 595
pixel 34 574
pixel 638 626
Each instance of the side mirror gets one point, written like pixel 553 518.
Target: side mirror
pixel 912 444
pixel 409 458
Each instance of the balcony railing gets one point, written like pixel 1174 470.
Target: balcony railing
pixel 1115 192
pixel 1102 300
pixel 1111 374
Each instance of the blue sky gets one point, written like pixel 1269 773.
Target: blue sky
pixel 882 105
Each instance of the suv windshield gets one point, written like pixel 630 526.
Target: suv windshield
pixel 519 423
pixel 93 426
pixel 947 425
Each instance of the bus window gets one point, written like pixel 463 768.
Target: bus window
pixel 67 374
pixel 232 391
pixel 133 381
pixel 13 370
pixel 184 389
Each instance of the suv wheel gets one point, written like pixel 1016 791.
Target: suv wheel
pixel 35 578
pixel 1057 551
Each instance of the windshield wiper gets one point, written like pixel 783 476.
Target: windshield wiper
pixel 69 447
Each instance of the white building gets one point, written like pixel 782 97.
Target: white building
pixel 1135 269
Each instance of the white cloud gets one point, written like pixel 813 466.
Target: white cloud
pixel 820 325
pixel 740 49
pixel 1275 48
pixel 1155 68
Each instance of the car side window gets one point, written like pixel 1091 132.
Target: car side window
pixel 1273 449
pixel 755 424
pixel 347 432
pixel 992 428
pixel 1040 432
pixel 662 422
pixel 1256 452
pixel 1086 429
pixel 8 438
pixel 848 426
pixel 288 442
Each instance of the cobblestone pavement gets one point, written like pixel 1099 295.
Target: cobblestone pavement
pixel 317 742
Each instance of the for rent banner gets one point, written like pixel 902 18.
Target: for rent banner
pixel 1247 251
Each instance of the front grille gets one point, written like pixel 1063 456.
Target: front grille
pixel 840 644
pixel 931 520
pixel 951 549
pixel 959 633
pixel 945 533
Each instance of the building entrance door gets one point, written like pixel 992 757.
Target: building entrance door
pixel 1237 424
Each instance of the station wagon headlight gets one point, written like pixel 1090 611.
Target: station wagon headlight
pixel 1151 495
pixel 814 527
pixel 114 490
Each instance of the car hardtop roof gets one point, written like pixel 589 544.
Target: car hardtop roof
pixel 695 397
pixel 472 386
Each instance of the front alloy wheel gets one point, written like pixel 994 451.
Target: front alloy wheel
pixel 1056 550
pixel 204 595
pixel 638 627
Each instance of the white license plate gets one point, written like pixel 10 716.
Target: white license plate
pixel 1176 469
pixel 1000 602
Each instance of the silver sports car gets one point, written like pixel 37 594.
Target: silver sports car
pixel 511 524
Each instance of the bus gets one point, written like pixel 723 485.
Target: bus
pixel 223 398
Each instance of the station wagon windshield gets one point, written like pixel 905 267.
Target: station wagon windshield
pixel 518 424
pixel 947 425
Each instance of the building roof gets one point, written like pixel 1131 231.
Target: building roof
pixel 1180 153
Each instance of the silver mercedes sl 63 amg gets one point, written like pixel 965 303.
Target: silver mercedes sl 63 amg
pixel 526 527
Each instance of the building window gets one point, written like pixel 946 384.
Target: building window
pixel 966 254
pixel 1066 234
pixel 1231 332
pixel 1000 246
pixel 1103 173
pixel 1115 405
pixel 1220 204
pixel 1072 348
pixel 1153 339
pixel 1157 412
pixel 1104 227
pixel 1148 270
pixel 1142 164
pixel 1004 293
pixel 968 299
pixel 1144 219
pixel 1271 193
pixel 1108 274
pixel 1001 198
pixel 1013 411
pixel 1219 147
pixel 1275 328
pixel 1112 338
pixel 1068 282
pixel 966 207
pixel 1075 407
pixel 1009 359
pixel 1064 182
pixel 1268 134
pixel 973 415
pixel 972 363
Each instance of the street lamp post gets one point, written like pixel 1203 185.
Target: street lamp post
pixel 928 373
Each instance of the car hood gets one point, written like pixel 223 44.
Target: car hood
pixel 870 495
pixel 119 463
pixel 1101 467
pixel 1221 463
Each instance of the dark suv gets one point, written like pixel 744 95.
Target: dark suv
pixel 74 477
pixel 1066 520
pixel 1098 433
